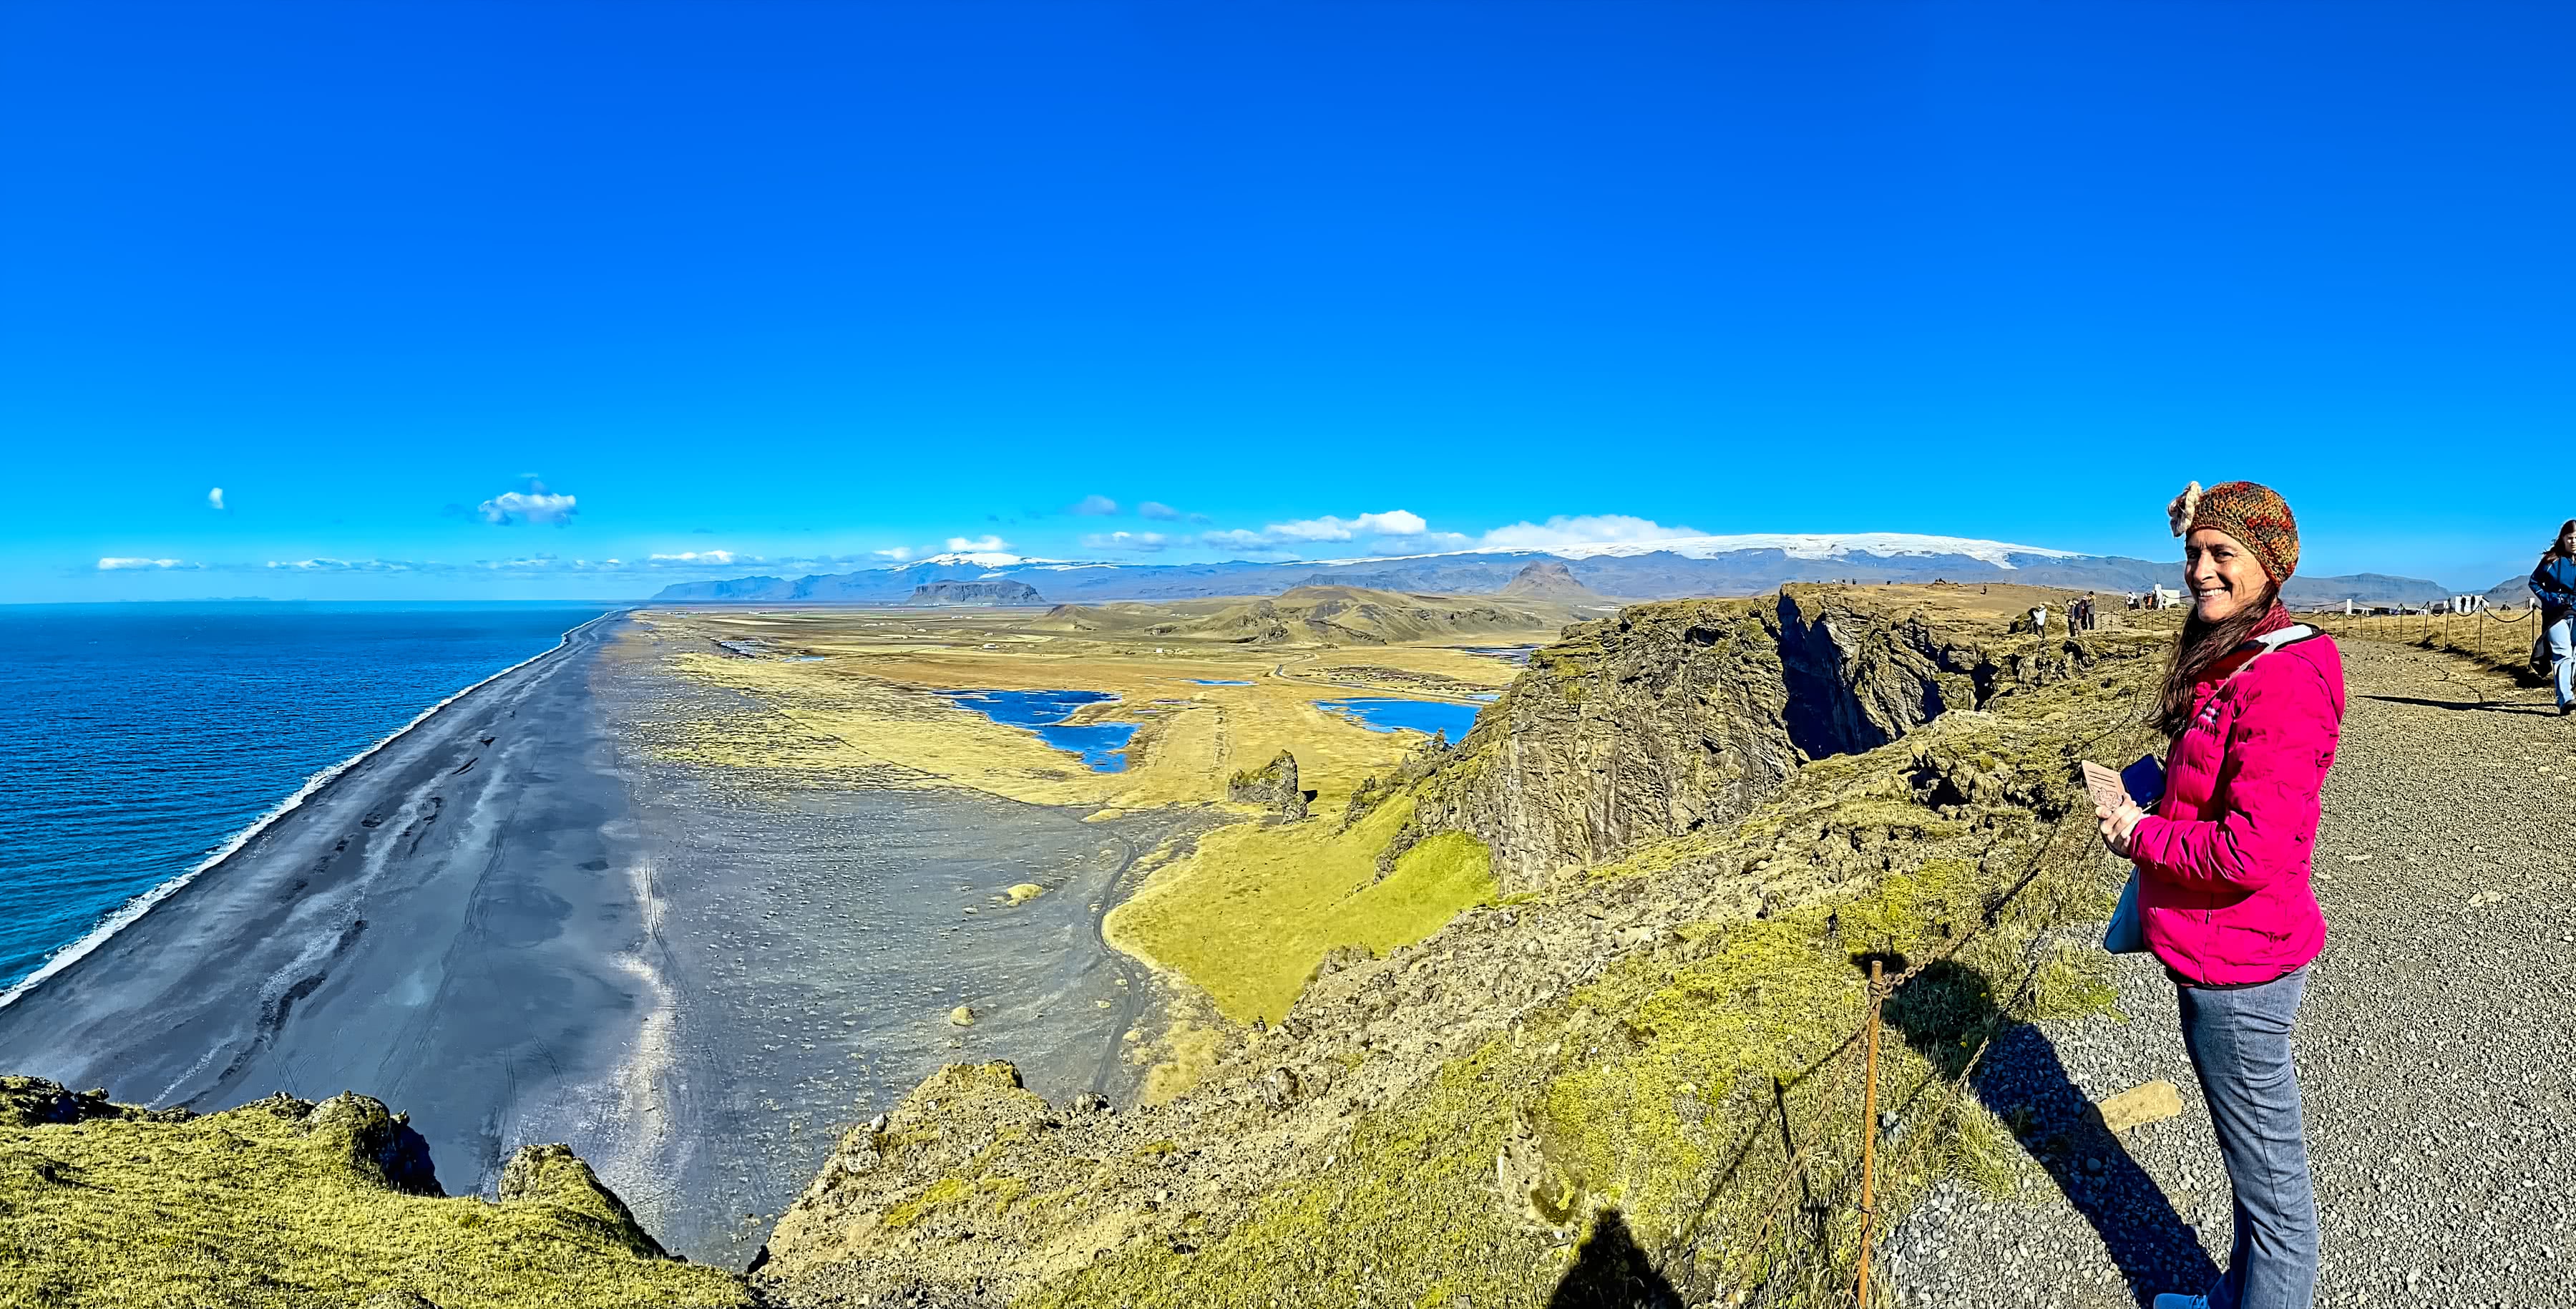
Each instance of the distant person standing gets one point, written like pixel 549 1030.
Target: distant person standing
pixel 2252 704
pixel 2039 619
pixel 2553 585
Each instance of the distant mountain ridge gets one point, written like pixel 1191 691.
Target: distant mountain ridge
pixel 1641 570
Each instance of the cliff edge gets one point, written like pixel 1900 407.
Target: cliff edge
pixel 289 1203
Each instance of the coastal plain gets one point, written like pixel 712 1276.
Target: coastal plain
pixel 1236 911
pixel 701 888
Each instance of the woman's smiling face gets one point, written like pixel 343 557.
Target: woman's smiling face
pixel 2221 574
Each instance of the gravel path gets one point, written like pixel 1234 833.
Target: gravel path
pixel 2434 1046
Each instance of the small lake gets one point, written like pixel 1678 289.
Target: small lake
pixel 1518 655
pixel 1202 681
pixel 1390 715
pixel 1102 746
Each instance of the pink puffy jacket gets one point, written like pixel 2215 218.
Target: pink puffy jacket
pixel 2223 860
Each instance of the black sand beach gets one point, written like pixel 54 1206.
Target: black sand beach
pixel 519 925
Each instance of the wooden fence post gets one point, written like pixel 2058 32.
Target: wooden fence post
pixel 1869 1140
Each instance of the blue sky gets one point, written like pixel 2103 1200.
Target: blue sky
pixel 811 282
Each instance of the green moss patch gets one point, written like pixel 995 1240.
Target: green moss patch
pixel 248 1208
pixel 1252 913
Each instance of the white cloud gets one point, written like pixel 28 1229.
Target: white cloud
pixel 1397 523
pixel 1156 509
pixel 976 545
pixel 1583 529
pixel 696 557
pixel 324 565
pixel 116 563
pixel 535 505
pixel 215 497
pixel 1139 542
pixel 1393 522
pixel 897 553
pixel 1093 506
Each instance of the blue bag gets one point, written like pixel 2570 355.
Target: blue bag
pixel 2127 934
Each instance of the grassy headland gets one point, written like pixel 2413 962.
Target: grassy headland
pixel 282 1203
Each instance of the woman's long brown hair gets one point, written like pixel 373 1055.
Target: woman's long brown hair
pixel 2558 544
pixel 2200 645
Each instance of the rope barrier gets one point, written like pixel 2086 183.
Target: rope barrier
pixel 2042 860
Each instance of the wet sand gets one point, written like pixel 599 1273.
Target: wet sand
pixel 517 924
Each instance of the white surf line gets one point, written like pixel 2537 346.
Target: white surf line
pixel 135 908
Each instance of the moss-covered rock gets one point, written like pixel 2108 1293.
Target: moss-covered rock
pixel 289 1204
pixel 1273 786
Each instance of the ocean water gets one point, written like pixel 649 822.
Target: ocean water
pixel 1424 716
pixel 1102 746
pixel 144 736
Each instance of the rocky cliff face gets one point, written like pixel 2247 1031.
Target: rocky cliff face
pixel 1274 786
pixel 1649 724
pixel 975 593
pixel 1673 716
pixel 1857 680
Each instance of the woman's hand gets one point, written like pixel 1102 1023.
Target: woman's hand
pixel 2117 824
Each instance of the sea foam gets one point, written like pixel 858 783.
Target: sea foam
pixel 126 914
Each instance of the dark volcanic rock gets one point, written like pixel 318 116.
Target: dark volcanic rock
pixel 975 593
pixel 1274 785
pixel 1647 724
pixel 29 1101
pixel 1672 716
pixel 377 1140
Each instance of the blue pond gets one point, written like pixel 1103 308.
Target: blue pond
pixel 1101 745
pixel 1425 716
pixel 1201 681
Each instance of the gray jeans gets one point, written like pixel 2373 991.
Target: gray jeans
pixel 2240 1046
pixel 2562 658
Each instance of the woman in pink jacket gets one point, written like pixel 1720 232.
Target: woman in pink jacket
pixel 2253 705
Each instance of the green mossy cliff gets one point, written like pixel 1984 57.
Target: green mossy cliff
pixel 300 1206
pixel 1716 810
pixel 1670 718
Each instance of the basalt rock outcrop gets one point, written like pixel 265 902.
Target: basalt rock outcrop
pixel 1273 786
pixel 1652 723
pixel 1673 716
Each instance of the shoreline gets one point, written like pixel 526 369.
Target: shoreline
pixel 133 910
pixel 523 918
pixel 407 924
